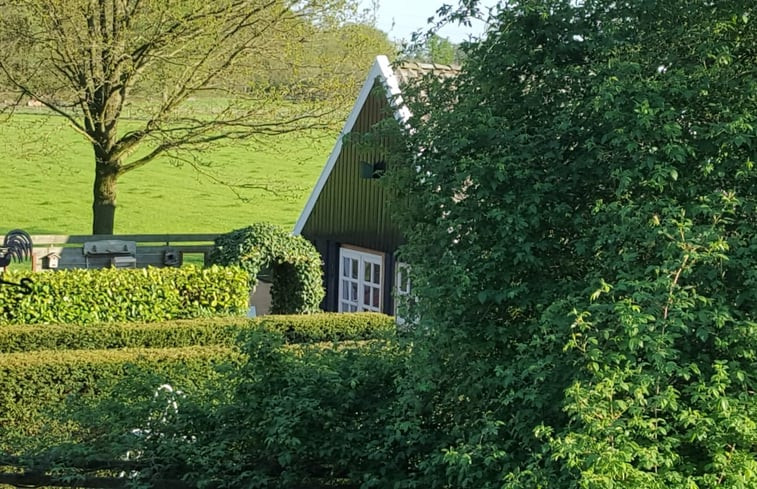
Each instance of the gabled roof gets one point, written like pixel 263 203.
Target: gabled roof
pixel 410 70
pixel 382 72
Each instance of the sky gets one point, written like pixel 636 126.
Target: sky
pixel 400 18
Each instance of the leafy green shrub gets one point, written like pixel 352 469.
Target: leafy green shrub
pixel 34 385
pixel 194 332
pixel 293 261
pixel 320 417
pixel 311 416
pixel 276 415
pixel 108 295
pixel 330 326
pixel 585 195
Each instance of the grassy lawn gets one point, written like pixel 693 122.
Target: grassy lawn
pixel 45 186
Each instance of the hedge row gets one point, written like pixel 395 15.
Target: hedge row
pixel 330 326
pixel 111 295
pixel 32 385
pixel 201 331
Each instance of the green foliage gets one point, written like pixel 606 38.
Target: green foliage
pixel 195 332
pixel 293 261
pixel 441 50
pixel 320 415
pixel 312 416
pixel 164 334
pixel 272 415
pixel 330 326
pixel 585 194
pixel 111 295
pixel 35 385
pixel 432 48
pixel 72 393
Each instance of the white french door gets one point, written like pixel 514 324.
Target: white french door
pixel 359 281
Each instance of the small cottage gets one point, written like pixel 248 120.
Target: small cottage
pixel 346 217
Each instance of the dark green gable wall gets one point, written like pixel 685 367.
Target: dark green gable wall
pixel 351 210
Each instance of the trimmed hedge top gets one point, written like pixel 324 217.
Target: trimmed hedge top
pixel 194 332
pixel 33 386
pixel 330 326
pixel 113 295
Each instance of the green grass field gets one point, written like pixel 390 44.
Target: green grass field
pixel 47 172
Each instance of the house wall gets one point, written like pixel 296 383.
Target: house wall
pixel 351 210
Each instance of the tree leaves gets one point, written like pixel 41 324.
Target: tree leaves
pixel 599 254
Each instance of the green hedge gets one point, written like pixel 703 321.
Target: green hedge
pixel 166 334
pixel 293 261
pixel 315 416
pixel 330 326
pixel 33 385
pixel 111 295
pixel 200 331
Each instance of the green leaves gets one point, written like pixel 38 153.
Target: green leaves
pixel 273 400
pixel 110 295
pixel 292 260
pixel 599 257
pixel 320 416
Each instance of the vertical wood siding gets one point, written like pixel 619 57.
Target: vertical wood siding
pixel 351 209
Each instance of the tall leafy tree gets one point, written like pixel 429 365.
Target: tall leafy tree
pixel 580 206
pixel 441 50
pixel 432 48
pixel 185 73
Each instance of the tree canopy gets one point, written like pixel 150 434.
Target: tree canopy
pixel 191 73
pixel 580 208
pixel 434 49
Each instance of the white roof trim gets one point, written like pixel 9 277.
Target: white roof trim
pixel 381 69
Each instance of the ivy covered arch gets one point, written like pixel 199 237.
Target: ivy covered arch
pixel 293 261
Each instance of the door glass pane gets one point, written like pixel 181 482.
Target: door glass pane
pixel 360 281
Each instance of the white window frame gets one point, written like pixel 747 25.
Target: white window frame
pixel 402 289
pixel 358 292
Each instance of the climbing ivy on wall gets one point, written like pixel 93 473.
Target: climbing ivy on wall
pixel 293 261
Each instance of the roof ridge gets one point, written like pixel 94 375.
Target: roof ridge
pixel 409 70
pixel 428 66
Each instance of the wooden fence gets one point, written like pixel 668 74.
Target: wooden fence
pixel 139 250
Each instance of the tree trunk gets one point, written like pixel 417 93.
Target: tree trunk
pixel 104 197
